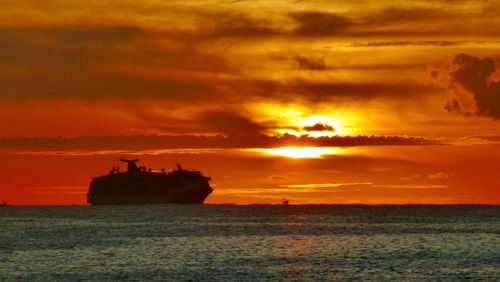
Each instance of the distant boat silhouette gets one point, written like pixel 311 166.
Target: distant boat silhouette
pixel 285 202
pixel 140 186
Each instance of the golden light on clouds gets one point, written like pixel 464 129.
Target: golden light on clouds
pixel 301 152
pixel 297 120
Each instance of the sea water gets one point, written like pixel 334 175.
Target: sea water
pixel 250 243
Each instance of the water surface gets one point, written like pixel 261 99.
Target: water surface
pixel 220 243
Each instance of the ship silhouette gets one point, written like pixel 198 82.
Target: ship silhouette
pixel 140 186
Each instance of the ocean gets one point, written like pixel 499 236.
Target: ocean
pixel 250 243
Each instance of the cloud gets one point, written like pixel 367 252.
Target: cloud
pixel 94 34
pixel 208 56
pixel 412 186
pixel 103 62
pixel 319 127
pixel 440 175
pixel 229 123
pixel 310 64
pixel 314 90
pixel 236 138
pixel 409 178
pixel 64 45
pixel 478 79
pixel 277 177
pixel 398 16
pixel 313 23
pixel 326 185
pixel 366 185
pixel 130 62
pixel 389 23
pixel 216 25
pixel 488 138
pixel 439 43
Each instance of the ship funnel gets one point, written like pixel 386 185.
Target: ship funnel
pixel 131 166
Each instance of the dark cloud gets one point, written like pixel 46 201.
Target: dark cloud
pixel 277 177
pixel 106 86
pixel 193 141
pixel 319 127
pixel 392 22
pixel 324 91
pixel 398 16
pixel 125 62
pixel 359 91
pixel 63 46
pixel 310 64
pixel 313 23
pixel 475 75
pixel 224 24
pixel 453 106
pixel 229 123
pixel 442 43
pixel 318 64
pixel 93 34
pixel 102 62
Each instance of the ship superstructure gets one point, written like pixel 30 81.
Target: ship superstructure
pixel 139 185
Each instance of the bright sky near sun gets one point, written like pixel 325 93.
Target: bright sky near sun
pixel 281 87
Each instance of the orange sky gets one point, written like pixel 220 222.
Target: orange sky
pixel 247 70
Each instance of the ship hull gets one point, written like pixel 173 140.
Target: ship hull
pixel 149 198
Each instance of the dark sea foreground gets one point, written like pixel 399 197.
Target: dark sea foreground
pixel 250 243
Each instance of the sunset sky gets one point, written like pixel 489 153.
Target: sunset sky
pixel 312 101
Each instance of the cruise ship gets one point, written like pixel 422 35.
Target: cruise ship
pixel 139 185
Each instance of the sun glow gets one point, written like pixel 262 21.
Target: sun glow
pixel 301 152
pixel 299 120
